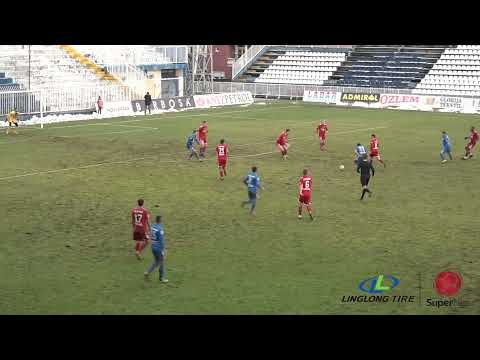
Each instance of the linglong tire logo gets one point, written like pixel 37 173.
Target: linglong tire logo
pixel 378 284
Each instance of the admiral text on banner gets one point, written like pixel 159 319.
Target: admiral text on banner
pixel 359 99
pixel 223 99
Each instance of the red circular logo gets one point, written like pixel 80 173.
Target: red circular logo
pixel 448 283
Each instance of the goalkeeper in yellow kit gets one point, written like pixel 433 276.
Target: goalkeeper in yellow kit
pixel 12 119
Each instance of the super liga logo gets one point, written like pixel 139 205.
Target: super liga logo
pixel 448 283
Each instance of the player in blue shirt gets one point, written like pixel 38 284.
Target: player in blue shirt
pixel 158 250
pixel 252 180
pixel 446 148
pixel 360 152
pixel 190 144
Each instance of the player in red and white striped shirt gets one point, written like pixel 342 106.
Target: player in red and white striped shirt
pixel 322 131
pixel 282 143
pixel 202 138
pixel 305 196
pixel 473 138
pixel 222 155
pixel 374 153
pixel 141 227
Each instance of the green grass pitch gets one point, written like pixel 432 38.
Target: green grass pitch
pixel 67 192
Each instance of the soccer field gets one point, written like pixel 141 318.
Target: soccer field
pixel 68 189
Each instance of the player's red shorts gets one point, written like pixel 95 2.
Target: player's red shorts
pixel 375 154
pixel 470 146
pixel 202 140
pixel 280 143
pixel 222 162
pixel 139 235
pixel 305 199
pixel 322 137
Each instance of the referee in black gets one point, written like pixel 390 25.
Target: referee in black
pixel 364 167
pixel 148 103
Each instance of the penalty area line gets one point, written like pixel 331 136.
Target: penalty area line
pixel 55 171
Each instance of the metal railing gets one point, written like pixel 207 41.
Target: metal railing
pixel 81 98
pixel 292 91
pixel 173 54
pixel 61 99
pixel 346 47
pixel 25 102
pixel 246 58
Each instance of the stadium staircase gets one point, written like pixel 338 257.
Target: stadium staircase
pixel 101 73
pixel 393 66
pixel 260 65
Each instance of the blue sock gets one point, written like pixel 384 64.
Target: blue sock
pixel 450 155
pixel 161 271
pixel 441 156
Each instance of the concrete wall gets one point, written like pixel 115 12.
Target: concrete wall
pixel 223 57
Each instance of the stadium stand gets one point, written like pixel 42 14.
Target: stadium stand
pixel 384 66
pixel 298 66
pixel 48 66
pixel 7 84
pixel 457 72
pixel 392 66
pixel 121 54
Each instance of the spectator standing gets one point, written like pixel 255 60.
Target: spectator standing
pixel 148 103
pixel 100 104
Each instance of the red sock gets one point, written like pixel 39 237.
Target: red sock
pixel 137 246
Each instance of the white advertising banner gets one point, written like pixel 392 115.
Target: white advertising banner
pixel 117 107
pixel 223 99
pixel 400 101
pixel 322 97
pixel 471 106
pixel 449 104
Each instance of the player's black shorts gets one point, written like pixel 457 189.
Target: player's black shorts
pixel 252 195
pixel 364 180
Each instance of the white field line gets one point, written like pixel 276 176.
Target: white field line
pixel 160 161
pixel 14 142
pixel 150 118
pixel 119 123
pixel 206 114
pixel 139 127
pixel 35 127
pixel 104 133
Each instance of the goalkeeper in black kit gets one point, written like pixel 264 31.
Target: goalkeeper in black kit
pixel 364 167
